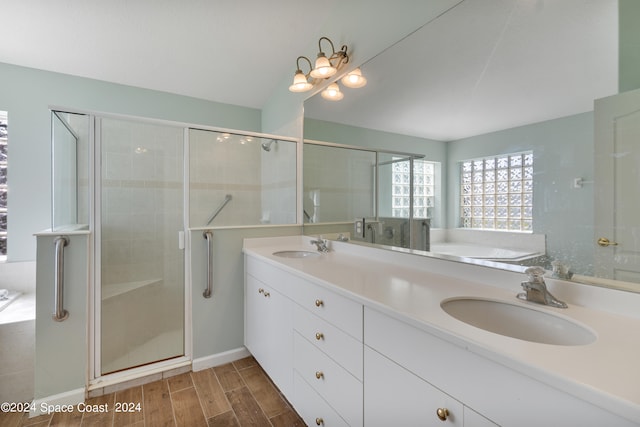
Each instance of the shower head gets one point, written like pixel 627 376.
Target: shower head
pixel 266 146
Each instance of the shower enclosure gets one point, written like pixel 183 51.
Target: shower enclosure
pixel 140 231
pixel 144 190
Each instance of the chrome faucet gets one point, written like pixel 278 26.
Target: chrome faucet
pixel 536 289
pixel 321 244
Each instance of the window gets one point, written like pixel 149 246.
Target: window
pixel 3 185
pixel 497 192
pixel 423 188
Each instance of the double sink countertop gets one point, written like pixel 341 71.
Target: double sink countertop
pixel 411 288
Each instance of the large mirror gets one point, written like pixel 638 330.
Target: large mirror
pixel 498 93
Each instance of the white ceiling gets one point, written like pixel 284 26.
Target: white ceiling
pixel 231 51
pixel 240 52
pixel 202 48
pixel 487 65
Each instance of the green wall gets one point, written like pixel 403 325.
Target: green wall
pixel 27 94
pixel 629 55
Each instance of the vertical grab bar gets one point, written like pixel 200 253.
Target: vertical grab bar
pixel 208 235
pixel 426 227
pixel 60 313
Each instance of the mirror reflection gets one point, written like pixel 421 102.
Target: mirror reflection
pixel 491 82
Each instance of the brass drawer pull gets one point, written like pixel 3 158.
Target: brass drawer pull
pixel 319 303
pixel 319 422
pixel 319 336
pixel 267 294
pixel 319 375
pixel 443 414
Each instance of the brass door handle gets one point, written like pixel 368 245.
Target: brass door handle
pixel 603 241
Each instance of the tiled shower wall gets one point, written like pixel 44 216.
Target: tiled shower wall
pixel 262 183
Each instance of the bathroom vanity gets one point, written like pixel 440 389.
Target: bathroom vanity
pixel 358 336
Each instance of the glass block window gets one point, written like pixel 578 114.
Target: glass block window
pixel 423 188
pixel 497 192
pixel 3 184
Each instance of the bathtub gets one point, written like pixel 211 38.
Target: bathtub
pixel 17 332
pixel 488 253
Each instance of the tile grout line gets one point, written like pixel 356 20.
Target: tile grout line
pixel 173 412
pixel 252 395
pixel 206 420
pixel 225 394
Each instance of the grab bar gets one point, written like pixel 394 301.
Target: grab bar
pixel 60 313
pixel 426 227
pixel 208 235
pixel 217 211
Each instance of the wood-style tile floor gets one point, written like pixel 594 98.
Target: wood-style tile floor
pixel 236 394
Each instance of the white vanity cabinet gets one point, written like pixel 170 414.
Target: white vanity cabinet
pixel 395 396
pixel 309 342
pixel 268 331
pixel 344 356
pixel 327 356
pixel 430 372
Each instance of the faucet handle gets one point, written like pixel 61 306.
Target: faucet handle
pixel 535 273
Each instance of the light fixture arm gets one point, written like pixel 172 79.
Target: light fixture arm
pixel 308 62
pixel 340 55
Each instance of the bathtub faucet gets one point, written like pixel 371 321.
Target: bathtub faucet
pixel 536 290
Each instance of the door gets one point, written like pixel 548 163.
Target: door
pixel 141 261
pixel 617 187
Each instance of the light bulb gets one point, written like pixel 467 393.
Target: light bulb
pixel 323 68
pixel 332 93
pixel 354 79
pixel 300 83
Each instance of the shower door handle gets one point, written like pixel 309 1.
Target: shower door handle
pixel 60 313
pixel 208 235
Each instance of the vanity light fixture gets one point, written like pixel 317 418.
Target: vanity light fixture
pixel 324 68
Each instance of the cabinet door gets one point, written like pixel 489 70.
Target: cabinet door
pixel 269 332
pixel 473 419
pixel 396 397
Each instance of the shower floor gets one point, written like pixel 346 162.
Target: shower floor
pixel 163 346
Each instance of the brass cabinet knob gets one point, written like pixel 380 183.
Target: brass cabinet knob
pixel 319 375
pixel 261 291
pixel 319 422
pixel 442 413
pixel 319 303
pixel 603 241
pixel 319 336
pixel 267 294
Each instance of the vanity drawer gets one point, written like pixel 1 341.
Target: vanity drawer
pixel 312 408
pixel 341 312
pixel 343 348
pixel 336 385
pixel 270 275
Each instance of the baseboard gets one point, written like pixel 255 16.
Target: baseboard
pixel 54 403
pixel 219 359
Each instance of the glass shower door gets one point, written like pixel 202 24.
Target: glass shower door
pixel 141 271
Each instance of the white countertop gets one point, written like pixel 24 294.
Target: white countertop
pixel 411 288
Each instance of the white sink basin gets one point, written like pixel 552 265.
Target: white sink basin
pixel 517 321
pixel 296 254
